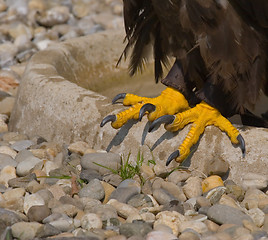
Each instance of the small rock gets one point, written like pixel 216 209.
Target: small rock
pixel 6 160
pixel 53 16
pixel 21 145
pixel 192 188
pixel 123 209
pixel 125 190
pixel 8 218
pixel 252 198
pixel 79 147
pixel 7 150
pixel 69 200
pixel 14 194
pixel 105 212
pixel 175 190
pixel 7 173
pixel 235 191
pixel 137 228
pixel 110 160
pixel 57 191
pixel 91 221
pixel 229 201
pixel 26 230
pixel 171 219
pixel 89 174
pixel 93 189
pixel 63 223
pixel 224 214
pixel 140 200
pixel 257 216
pixel 211 182
pixel 24 167
pixel 215 194
pixel 162 196
pixel 202 202
pixel 21 182
pixel 32 200
pixel 254 180
pixel 8 52
pixel 48 231
pixel 174 205
pixel 45 194
pixel 188 235
pixel 178 176
pixel 196 226
pixel 68 209
pixel 108 189
pixel 38 213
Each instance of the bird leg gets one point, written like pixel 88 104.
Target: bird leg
pixel 170 101
pixel 200 116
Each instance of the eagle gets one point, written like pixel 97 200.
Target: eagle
pixel 219 52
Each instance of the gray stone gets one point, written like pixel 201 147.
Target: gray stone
pixel 48 231
pixel 174 205
pixel 24 167
pixel 162 196
pixel 140 200
pixel 45 194
pixel 135 229
pixel 68 209
pixel 21 182
pixel 69 200
pixel 21 145
pixel 105 160
pixel 224 214
pixel 6 160
pixel 90 174
pixel 124 194
pixel 25 230
pixel 159 235
pixel 38 213
pixel 93 189
pixel 8 218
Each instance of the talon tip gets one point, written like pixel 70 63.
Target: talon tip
pixel 172 156
pixel 118 96
pixel 242 144
pixel 166 119
pixel 109 118
pixel 148 107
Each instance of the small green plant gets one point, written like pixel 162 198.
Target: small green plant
pixel 129 170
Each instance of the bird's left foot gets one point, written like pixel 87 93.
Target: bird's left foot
pixel 200 116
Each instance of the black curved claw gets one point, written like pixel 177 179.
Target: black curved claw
pixel 148 107
pixel 242 144
pixel 167 119
pixel 172 156
pixel 118 96
pixel 109 118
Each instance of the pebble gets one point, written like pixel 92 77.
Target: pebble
pixel 25 230
pixel 93 189
pixel 222 214
pixel 254 180
pixel 32 200
pixel 7 173
pixel 91 221
pixel 21 145
pixel 24 167
pixel 137 228
pixel 38 213
pixel 193 187
pixel 6 160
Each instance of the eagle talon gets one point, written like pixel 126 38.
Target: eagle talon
pixel 167 119
pixel 118 96
pixel 109 118
pixel 242 144
pixel 172 156
pixel 148 107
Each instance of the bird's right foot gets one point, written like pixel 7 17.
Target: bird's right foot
pixel 169 102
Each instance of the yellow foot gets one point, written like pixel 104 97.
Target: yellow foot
pixel 170 101
pixel 201 115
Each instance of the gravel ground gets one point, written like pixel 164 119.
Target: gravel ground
pixel 72 191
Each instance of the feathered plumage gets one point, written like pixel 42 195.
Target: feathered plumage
pixel 221 46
